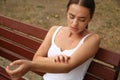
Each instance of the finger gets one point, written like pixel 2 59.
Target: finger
pixel 61 58
pixel 9 71
pixel 13 68
pixel 13 73
pixel 17 62
pixel 55 59
pixel 10 68
pixel 66 59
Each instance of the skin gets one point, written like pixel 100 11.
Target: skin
pixel 78 18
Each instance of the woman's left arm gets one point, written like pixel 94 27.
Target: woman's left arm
pixel 84 52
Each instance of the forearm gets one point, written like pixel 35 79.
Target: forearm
pixel 44 64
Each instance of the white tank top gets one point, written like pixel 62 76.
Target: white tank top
pixel 75 74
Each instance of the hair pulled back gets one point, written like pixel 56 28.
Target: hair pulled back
pixel 90 4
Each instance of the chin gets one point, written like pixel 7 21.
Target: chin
pixel 75 30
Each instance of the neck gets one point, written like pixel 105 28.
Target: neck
pixel 80 34
pixel 70 34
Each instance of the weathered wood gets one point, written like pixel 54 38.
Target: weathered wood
pixel 25 28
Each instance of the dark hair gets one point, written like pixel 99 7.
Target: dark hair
pixel 90 4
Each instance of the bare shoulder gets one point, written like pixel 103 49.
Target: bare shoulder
pixel 52 30
pixel 95 38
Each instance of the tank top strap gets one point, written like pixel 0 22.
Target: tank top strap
pixel 82 40
pixel 53 38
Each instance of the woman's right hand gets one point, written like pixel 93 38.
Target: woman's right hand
pixel 22 67
pixel 61 58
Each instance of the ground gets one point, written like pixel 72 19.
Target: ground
pixel 46 13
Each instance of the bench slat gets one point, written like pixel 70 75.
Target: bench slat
pixel 19 39
pixel 16 49
pixel 10 55
pixel 90 77
pixel 3 74
pixel 101 71
pixel 3 78
pixel 108 57
pixel 25 28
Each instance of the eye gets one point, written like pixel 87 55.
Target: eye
pixel 71 16
pixel 82 19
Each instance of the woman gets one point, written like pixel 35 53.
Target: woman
pixel 66 52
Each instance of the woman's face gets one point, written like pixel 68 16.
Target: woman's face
pixel 78 18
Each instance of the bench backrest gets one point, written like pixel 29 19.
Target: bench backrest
pixel 20 41
pixel 19 38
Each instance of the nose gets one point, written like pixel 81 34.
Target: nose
pixel 75 22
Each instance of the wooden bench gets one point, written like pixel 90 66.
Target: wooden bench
pixel 20 41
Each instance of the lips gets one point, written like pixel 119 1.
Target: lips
pixel 74 28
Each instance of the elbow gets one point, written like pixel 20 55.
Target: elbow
pixel 34 58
